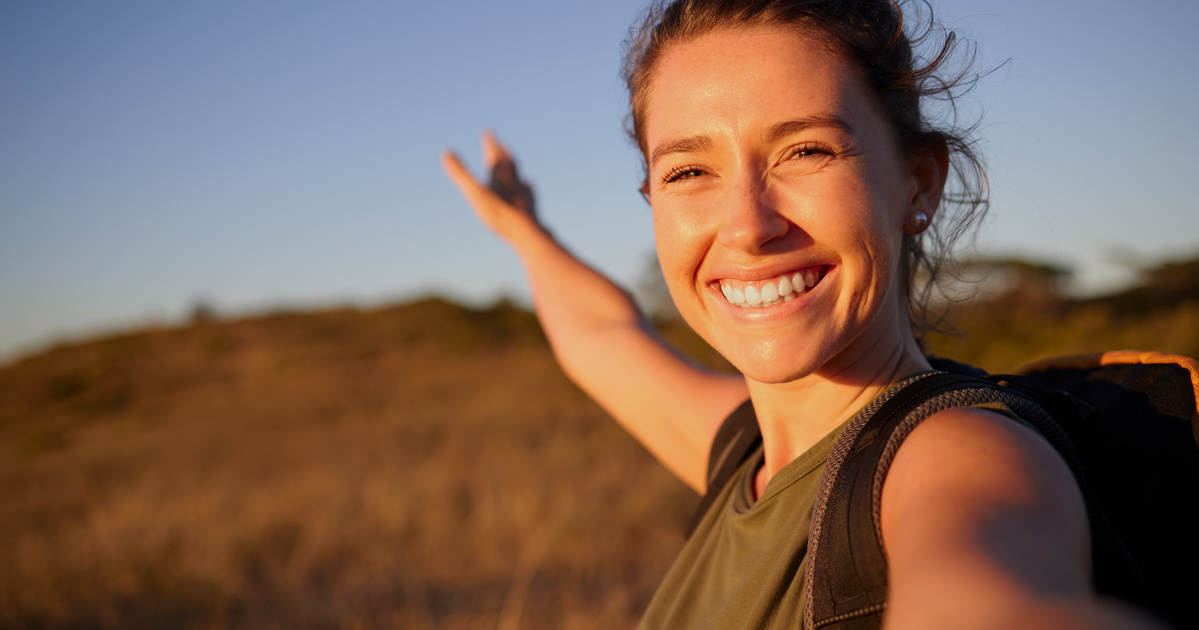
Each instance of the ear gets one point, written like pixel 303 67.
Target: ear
pixel 929 169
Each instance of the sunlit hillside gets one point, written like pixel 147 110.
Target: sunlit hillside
pixel 422 466
pixel 418 466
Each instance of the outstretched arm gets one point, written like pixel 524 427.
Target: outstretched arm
pixel 597 333
pixel 984 529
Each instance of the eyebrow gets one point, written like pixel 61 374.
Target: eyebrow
pixel 784 129
pixel 689 144
pixel 692 144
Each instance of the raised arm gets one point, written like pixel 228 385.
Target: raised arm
pixel 597 333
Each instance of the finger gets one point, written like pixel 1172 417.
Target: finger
pixel 493 152
pixel 461 176
pixel 499 160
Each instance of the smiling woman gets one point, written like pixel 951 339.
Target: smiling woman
pixel 793 183
pixel 781 165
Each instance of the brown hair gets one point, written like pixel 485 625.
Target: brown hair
pixel 872 35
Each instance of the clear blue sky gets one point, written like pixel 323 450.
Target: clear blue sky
pixel 263 154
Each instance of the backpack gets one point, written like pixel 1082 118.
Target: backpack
pixel 1126 423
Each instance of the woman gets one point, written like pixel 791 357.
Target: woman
pixel 792 180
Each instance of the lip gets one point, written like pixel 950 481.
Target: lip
pixel 758 274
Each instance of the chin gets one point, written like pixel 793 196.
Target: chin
pixel 771 362
pixel 771 372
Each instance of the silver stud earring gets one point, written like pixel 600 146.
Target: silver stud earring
pixel 919 221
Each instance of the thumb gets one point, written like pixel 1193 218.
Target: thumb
pixel 457 171
pixel 464 180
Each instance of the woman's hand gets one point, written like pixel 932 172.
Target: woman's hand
pixel 599 337
pixel 506 202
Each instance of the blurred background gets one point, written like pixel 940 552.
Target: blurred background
pixel 249 334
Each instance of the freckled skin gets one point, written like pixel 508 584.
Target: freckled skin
pixel 754 205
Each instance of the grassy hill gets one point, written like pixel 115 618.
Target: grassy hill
pixel 421 466
pixel 418 466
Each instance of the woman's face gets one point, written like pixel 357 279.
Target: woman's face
pixel 779 198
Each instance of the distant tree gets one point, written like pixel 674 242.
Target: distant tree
pixel 202 312
pixel 1178 278
pixel 1162 286
pixel 1020 282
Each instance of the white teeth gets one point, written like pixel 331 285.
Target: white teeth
pixel 809 278
pixel 785 289
pixel 770 292
pixel 752 296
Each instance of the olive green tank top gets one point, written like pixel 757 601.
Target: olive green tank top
pixel 743 567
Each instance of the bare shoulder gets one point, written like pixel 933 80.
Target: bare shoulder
pixel 981 515
pixel 980 460
pixel 980 446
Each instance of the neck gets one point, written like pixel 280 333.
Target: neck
pixel 794 416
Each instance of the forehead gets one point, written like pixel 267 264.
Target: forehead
pixel 736 79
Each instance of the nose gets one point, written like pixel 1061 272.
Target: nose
pixel 752 219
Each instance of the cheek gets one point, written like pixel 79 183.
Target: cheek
pixel 869 240
pixel 880 203
pixel 891 197
pixel 679 238
pixel 886 252
pixel 677 272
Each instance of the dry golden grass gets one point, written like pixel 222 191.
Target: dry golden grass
pixel 419 466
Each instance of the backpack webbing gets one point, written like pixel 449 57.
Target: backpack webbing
pixel 846 579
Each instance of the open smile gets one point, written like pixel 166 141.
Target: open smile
pixel 772 291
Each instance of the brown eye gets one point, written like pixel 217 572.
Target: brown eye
pixel 809 151
pixel 681 172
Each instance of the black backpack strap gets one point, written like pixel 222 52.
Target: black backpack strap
pixel 846 578
pixel 847 568
pixel 736 439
